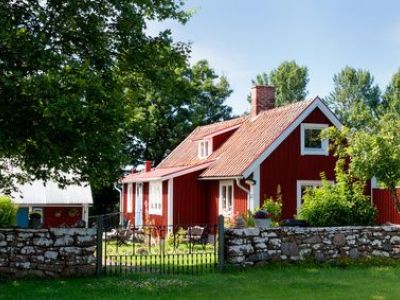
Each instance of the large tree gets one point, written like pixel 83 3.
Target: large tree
pixel 188 97
pixel 374 148
pixel 355 98
pixel 290 81
pixel 63 104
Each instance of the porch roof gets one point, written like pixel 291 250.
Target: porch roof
pixel 163 173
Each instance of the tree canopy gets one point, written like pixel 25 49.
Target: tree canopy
pixel 290 81
pixel 191 96
pixel 63 64
pixel 355 98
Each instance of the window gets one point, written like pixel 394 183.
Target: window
pixel 302 186
pixel 204 150
pixel 311 141
pixel 129 199
pixel 155 198
pixel 226 198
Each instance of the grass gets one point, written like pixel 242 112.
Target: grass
pixel 269 282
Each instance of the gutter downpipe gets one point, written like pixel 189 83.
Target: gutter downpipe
pixel 120 202
pixel 241 186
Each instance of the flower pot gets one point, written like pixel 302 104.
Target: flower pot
pixel 264 223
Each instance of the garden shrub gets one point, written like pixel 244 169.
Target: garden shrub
pixel 339 204
pixel 8 212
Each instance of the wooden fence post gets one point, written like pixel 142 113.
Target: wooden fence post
pixel 221 240
pixel 99 264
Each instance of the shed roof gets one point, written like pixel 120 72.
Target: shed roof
pixel 49 193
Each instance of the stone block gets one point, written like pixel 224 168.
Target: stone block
pixel 86 240
pixel 257 257
pixel 290 249
pixel 51 255
pixel 65 240
pixel 250 232
pixel 312 240
pixel 42 241
pixel 339 239
pixel 28 250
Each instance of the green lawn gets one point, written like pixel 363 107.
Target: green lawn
pixel 270 282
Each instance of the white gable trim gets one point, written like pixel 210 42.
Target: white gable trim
pixel 316 103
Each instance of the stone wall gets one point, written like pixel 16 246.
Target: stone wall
pixel 56 252
pixel 249 246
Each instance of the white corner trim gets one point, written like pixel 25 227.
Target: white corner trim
pixel 256 189
pixel 221 184
pixel 325 142
pixel 316 103
pixel 170 203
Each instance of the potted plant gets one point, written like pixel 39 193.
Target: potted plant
pixel 262 218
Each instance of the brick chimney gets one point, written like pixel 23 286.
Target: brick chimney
pixel 262 98
pixel 147 166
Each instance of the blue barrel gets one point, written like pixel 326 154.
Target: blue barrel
pixel 23 217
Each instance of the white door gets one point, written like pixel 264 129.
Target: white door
pixel 139 205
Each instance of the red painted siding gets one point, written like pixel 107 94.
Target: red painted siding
pixel 285 166
pixel 240 201
pixel 387 212
pixel 128 216
pixel 213 198
pixel 61 216
pixel 190 200
pixel 218 140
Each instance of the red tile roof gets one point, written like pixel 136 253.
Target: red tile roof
pixel 160 173
pixel 251 139
pixel 185 154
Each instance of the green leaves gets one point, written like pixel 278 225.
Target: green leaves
pixel 65 70
pixel 290 81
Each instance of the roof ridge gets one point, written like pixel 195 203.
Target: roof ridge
pixel 219 122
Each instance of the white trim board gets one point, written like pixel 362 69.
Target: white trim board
pixel 316 103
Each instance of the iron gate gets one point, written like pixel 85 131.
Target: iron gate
pixel 183 249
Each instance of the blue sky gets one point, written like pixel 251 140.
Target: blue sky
pixel 242 38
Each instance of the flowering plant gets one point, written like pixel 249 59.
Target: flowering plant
pixel 262 214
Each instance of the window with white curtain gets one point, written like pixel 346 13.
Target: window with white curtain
pixel 129 198
pixel 155 198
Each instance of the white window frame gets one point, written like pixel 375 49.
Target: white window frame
pixel 226 183
pixel 204 148
pixel 155 197
pixel 301 183
pixel 129 198
pixel 324 150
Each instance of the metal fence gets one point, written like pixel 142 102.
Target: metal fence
pixel 183 249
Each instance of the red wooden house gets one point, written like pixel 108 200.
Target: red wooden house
pixel 233 166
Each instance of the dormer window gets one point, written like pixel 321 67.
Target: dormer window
pixel 204 150
pixel 311 141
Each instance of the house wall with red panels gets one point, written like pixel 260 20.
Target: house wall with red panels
pixel 213 201
pixel 126 215
pixel 61 216
pixel 151 219
pixel 240 205
pixel 285 166
pixel 387 212
pixel 190 200
pixel 218 140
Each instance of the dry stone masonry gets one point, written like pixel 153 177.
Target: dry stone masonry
pixel 252 246
pixel 56 252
